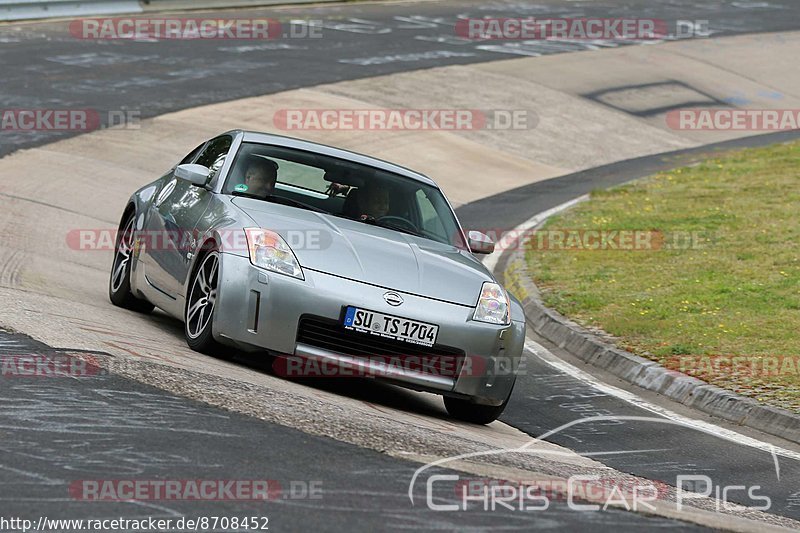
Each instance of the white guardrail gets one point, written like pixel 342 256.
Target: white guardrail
pixel 39 9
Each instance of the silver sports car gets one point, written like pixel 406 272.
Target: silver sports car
pixel 334 263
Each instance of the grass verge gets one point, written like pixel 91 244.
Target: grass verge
pixel 705 275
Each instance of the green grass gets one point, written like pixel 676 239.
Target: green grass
pixel 735 291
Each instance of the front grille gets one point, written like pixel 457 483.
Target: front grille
pixel 331 335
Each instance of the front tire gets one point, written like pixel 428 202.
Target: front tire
pixel 119 284
pixel 200 305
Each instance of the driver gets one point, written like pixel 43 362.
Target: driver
pixel 260 176
pixel 373 201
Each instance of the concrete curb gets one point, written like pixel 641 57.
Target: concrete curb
pixel 649 375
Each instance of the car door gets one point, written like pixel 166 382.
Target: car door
pixel 172 219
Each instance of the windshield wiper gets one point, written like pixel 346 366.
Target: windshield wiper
pixel 280 200
pixel 389 225
pixel 372 221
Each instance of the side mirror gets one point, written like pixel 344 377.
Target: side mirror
pixel 195 174
pixel 479 243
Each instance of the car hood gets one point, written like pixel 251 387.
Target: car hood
pixel 371 254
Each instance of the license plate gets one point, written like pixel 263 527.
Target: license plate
pixel 390 327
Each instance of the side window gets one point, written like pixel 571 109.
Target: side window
pixel 213 156
pixel 192 155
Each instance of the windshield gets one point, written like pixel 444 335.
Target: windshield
pixel 343 188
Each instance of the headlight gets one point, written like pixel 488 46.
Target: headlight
pixel 493 306
pixel 268 250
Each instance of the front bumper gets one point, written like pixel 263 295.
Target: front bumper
pixel 260 310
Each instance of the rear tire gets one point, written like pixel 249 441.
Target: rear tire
pixel 119 284
pixel 200 305
pixel 475 413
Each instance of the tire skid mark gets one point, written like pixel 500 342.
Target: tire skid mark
pixel 11 264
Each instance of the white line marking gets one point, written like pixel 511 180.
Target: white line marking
pixel 508 240
pixel 545 355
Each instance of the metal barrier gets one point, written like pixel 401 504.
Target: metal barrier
pixel 169 5
pixel 39 9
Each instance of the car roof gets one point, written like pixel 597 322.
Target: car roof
pixel 300 144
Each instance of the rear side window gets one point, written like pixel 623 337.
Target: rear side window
pixel 303 176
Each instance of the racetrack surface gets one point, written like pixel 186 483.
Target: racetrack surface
pixel 45 66
pixel 108 427
pixel 544 399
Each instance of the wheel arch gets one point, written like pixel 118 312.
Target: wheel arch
pixel 208 244
pixel 129 210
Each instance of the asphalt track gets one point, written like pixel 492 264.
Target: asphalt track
pixel 131 429
pixel 107 427
pixel 45 66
